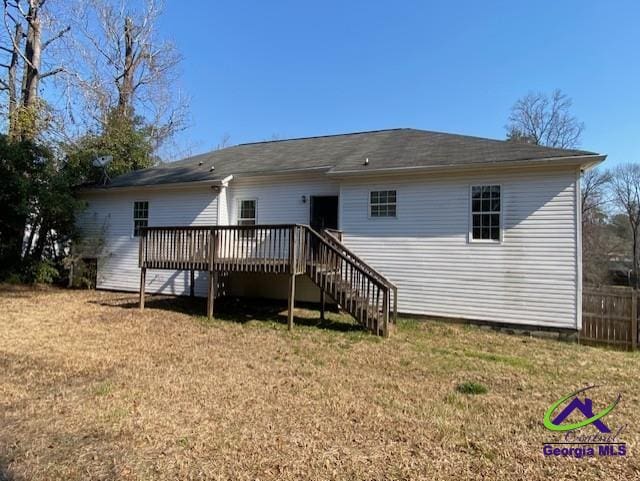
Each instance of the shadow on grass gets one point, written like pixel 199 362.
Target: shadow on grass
pixel 244 310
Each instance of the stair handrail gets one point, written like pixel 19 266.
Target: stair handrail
pixel 363 268
pixel 335 242
pixel 329 233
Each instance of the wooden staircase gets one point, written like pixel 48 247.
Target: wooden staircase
pixel 291 249
pixel 358 288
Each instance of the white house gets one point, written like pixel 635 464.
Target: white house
pixel 465 227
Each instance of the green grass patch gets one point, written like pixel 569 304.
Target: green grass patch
pixel 117 414
pixel 103 388
pixel 472 388
pixel 409 325
pixel 183 441
pixel 513 361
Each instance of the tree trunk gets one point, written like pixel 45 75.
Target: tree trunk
pixel 32 234
pixel 125 89
pixel 636 284
pixel 11 249
pixel 32 52
pixel 43 234
pixel 12 78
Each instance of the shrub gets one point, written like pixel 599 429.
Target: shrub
pixel 84 273
pixel 40 272
pixel 13 278
pixel 46 272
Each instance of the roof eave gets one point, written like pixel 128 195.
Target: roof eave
pixel 584 161
pixel 282 172
pixel 222 182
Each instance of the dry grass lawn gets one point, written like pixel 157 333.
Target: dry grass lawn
pixel 90 388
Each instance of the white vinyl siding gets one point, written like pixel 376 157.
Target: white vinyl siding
pixel 279 199
pixel 529 278
pixel 110 216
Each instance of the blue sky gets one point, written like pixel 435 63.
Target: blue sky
pixel 253 69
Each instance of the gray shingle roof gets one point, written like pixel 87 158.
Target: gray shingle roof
pixel 385 149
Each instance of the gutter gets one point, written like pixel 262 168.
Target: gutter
pixel 223 182
pixel 588 161
pixel 325 168
pixel 164 186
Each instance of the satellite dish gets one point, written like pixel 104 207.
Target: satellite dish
pixel 102 163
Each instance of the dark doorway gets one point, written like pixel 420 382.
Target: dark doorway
pixel 324 212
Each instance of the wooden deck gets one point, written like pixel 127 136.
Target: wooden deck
pixel 290 249
pixel 229 264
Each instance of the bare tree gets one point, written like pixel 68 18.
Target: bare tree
pixel 123 66
pixel 593 188
pixel 598 242
pixel 25 27
pixel 10 82
pixel 625 190
pixel 225 141
pixel 543 119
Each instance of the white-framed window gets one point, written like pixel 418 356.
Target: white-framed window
pixel 140 216
pixel 486 212
pixel 247 215
pixel 382 203
pixel 247 212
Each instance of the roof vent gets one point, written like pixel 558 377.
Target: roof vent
pixel 366 161
pixel 200 163
pixel 213 167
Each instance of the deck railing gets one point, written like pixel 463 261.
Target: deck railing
pixel 263 248
pixel 280 248
pixel 351 283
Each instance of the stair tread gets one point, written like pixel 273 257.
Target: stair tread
pixel 357 304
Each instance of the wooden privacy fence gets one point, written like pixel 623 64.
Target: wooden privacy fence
pixel 610 316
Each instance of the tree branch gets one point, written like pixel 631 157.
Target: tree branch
pixel 55 37
pixel 15 46
pixel 51 72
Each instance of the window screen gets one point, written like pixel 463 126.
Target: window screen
pixel 382 203
pixel 140 216
pixel 485 212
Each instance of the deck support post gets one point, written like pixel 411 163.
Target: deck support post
pixel 213 274
pixel 385 312
pixel 192 283
pixel 143 280
pixel 292 296
pixel 211 293
pixel 292 276
pixel 322 304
